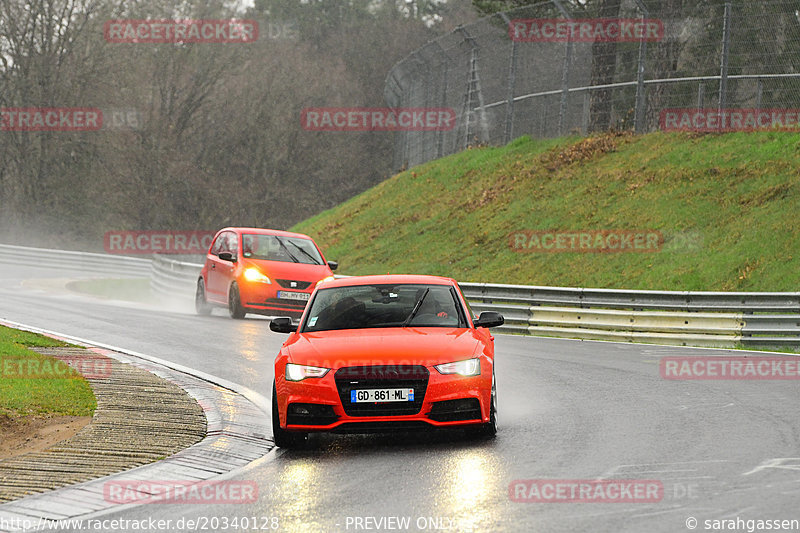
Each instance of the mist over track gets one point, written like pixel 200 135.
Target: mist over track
pixel 569 410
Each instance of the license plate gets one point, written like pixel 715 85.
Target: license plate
pixel 381 395
pixel 287 295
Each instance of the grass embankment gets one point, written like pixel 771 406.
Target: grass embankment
pixel 32 384
pixel 726 206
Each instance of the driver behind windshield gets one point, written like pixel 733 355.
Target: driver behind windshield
pixel 346 308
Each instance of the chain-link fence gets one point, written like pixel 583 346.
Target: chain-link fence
pixel 555 68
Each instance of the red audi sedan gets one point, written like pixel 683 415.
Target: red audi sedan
pixel 261 271
pixel 384 353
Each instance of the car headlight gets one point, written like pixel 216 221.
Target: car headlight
pixel 468 367
pixel 253 274
pixel 300 372
pixel 323 280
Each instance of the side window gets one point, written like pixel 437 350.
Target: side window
pixel 248 245
pixel 233 243
pixel 216 248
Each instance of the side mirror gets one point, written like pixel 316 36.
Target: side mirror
pixel 227 256
pixel 489 319
pixel 282 324
pixel 333 265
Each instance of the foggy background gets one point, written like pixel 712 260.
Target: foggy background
pixel 195 136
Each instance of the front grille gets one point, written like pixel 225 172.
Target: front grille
pixel 400 426
pixel 283 302
pixel 299 285
pixel 456 410
pixel 382 377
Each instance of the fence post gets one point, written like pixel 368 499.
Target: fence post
pixel 512 78
pixel 440 139
pixel 585 121
pixel 425 149
pixel 473 89
pixel 701 93
pixel 759 94
pixel 562 110
pixel 639 112
pixel 723 75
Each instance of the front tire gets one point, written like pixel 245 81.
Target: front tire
pixel 201 305
pixel 235 303
pixel 489 429
pixel 283 438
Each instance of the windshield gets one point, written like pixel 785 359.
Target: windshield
pixel 383 306
pixel 275 248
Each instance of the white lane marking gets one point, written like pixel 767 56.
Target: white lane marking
pixel 781 463
pixel 642 468
pixel 706 406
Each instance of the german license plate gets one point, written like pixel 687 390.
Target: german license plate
pixel 381 395
pixel 288 295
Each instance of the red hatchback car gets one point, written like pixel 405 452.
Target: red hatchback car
pixel 384 353
pixel 262 271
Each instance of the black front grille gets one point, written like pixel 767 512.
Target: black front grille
pixel 283 302
pixel 400 426
pixel 382 377
pixel 299 285
pixel 456 410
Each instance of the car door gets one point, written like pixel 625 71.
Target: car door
pixel 220 272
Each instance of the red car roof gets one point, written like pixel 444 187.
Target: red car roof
pixel 390 279
pixel 264 231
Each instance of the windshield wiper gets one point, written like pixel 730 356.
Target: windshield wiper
pixel 416 308
pixel 314 259
pixel 294 259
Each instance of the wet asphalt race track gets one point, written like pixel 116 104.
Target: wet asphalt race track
pixel 569 410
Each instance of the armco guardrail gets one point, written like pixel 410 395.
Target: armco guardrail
pixel 719 319
pixel 174 278
pixel 115 265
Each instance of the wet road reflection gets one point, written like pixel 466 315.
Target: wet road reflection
pixel 442 480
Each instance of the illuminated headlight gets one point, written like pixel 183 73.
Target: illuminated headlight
pixel 253 274
pixel 469 367
pixel 300 372
pixel 323 280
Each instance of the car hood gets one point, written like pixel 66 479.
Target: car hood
pixel 384 346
